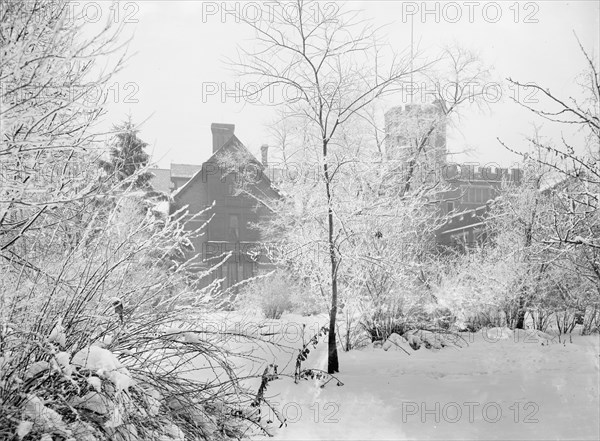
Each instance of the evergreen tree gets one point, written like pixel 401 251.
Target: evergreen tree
pixel 127 157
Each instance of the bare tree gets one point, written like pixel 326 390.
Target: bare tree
pixel 575 160
pixel 84 268
pixel 335 67
pixel 328 73
pixel 52 95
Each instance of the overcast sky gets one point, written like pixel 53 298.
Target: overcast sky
pixel 180 46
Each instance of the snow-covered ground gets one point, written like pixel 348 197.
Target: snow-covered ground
pixel 491 389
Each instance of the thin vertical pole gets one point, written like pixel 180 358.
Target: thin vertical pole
pixel 412 21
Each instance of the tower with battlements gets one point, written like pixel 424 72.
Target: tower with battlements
pixel 416 131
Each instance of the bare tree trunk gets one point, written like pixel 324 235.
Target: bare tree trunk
pixel 522 306
pixel 521 314
pixel 333 364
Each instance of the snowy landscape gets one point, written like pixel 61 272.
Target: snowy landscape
pixel 299 220
pixel 500 385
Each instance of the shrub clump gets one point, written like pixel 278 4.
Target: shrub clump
pixel 271 294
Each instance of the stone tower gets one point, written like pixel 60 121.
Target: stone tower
pixel 407 127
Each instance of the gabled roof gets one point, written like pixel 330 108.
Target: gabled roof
pixel 235 146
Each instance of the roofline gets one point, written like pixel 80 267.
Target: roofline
pixel 228 143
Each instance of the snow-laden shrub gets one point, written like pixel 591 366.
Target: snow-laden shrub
pixel 443 318
pixel 591 320
pixel 490 317
pixel 481 288
pixel 104 346
pixel 308 301
pixel 382 321
pixel 91 273
pixel 396 313
pixel 271 294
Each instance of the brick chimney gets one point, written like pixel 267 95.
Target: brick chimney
pixel 221 133
pixel 264 153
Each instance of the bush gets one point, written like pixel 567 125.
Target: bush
pixel 400 318
pixel 271 294
pixel 307 302
pixel 443 318
pixel 591 320
pixel 92 283
pixel 104 346
pixel 486 318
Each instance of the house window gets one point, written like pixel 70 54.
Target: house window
pixel 234 227
pixel 450 206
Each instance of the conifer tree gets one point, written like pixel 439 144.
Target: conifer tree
pixel 127 157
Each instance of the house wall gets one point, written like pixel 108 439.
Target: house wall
pixel 466 203
pixel 230 229
pixel 178 182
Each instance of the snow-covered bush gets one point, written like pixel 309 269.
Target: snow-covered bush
pixel 399 312
pixel 443 318
pixel 479 288
pixel 520 276
pixel 106 340
pixel 487 317
pixel 91 280
pixel 308 301
pixel 271 294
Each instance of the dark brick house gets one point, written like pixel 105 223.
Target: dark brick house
pixel 234 213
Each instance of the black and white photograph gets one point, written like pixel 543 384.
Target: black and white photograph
pixel 299 220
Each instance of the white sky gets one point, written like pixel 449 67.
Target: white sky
pixel 179 46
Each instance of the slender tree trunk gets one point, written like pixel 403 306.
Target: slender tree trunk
pixel 521 314
pixel 522 306
pixel 333 365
